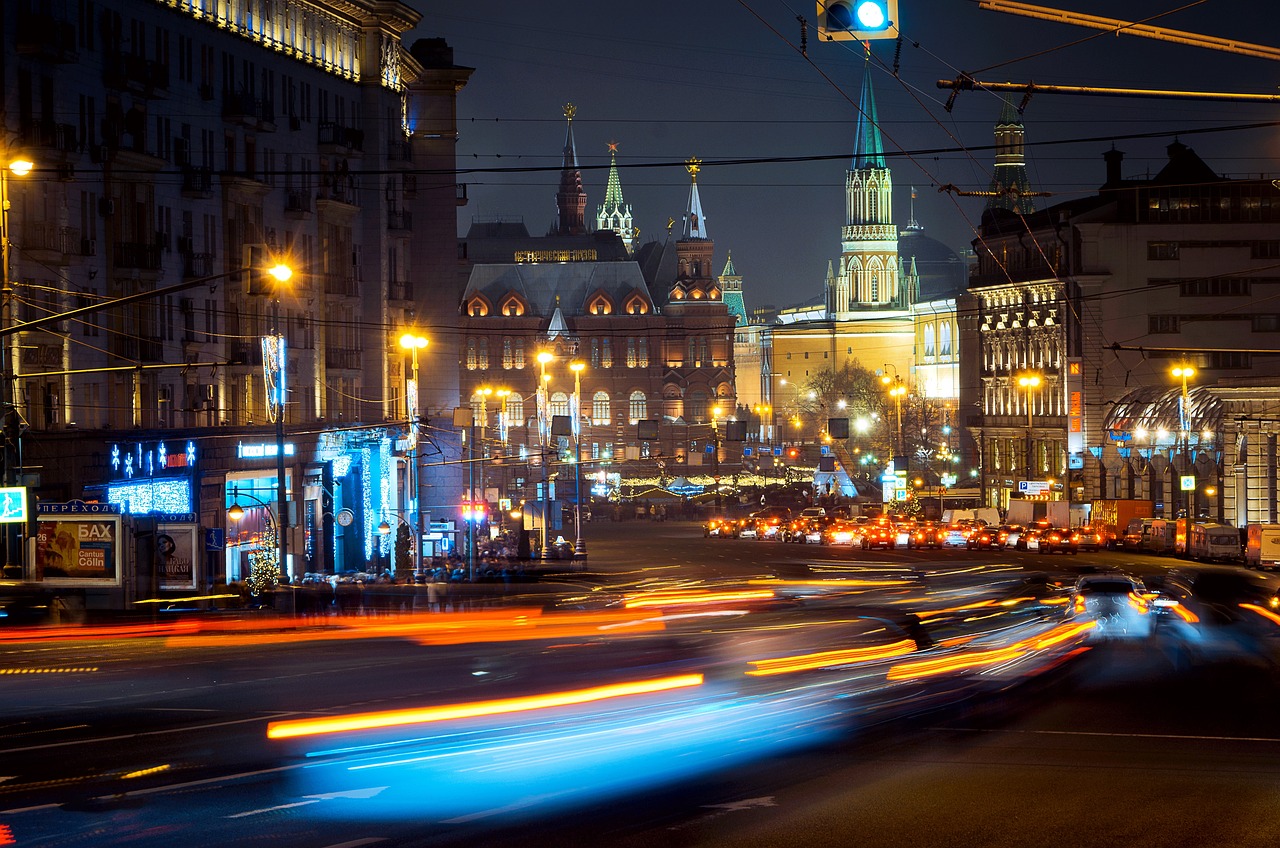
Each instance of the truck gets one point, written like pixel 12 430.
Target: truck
pixel 1211 541
pixel 1112 517
pixel 1159 535
pixel 1262 546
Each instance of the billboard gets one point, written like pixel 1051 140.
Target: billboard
pixel 177 555
pixel 80 549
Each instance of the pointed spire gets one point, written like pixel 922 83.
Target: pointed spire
pixel 1010 184
pixel 558 326
pixel 868 147
pixel 695 223
pixel 728 267
pixel 571 200
pixel 614 214
pixel 912 224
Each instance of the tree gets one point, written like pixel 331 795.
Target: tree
pixel 854 392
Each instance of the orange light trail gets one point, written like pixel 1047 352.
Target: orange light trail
pixel 834 583
pixel 659 599
pixel 475 709
pixel 1262 611
pixel 1185 614
pixel 942 665
pixel 825 659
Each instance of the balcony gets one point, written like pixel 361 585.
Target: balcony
pixel 49 243
pixel 297 203
pixel 53 136
pixel 246 353
pixel 398 219
pixel 337 139
pixel 136 348
pixel 197 265
pixel 197 181
pixel 337 189
pixel 136 255
pixel 400 290
pixel 400 151
pixel 345 359
pixel 43 36
pixel 253 112
pixel 341 285
pixel 128 72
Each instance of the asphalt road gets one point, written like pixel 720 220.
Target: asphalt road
pixel 145 742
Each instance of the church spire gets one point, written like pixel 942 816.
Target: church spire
pixel 615 214
pixel 695 224
pixel 571 200
pixel 1010 186
pixel 868 147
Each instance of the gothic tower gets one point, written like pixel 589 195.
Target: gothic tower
pixel 868 276
pixel 695 278
pixel 614 214
pixel 1010 186
pixel 571 200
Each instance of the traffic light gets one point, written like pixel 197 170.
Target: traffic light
pixel 474 511
pixel 793 453
pixel 857 20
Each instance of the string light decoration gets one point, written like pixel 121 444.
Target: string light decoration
pixel 273 359
pixel 264 563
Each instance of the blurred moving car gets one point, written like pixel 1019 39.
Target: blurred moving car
pixel 842 533
pixel 957 535
pixel 719 527
pixel 1011 536
pixel 1118 603
pixel 1216 610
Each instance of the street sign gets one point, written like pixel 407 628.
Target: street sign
pixel 1033 487
pixel 1188 483
pixel 215 539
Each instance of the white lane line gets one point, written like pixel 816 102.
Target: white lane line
pixel 1188 737
pixel 146 733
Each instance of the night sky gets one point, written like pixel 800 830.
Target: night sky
pixel 724 80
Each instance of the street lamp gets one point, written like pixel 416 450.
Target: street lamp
pixel 262 572
pixel 11 425
pixel 1029 381
pixel 414 343
pixel 1185 372
pixel 274 357
pixel 580 545
pixel 544 437
pixel 897 389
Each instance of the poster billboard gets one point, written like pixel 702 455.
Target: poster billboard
pixel 81 549
pixel 177 555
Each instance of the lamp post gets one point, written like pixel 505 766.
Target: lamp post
pixel 414 343
pixel 897 389
pixel 580 544
pixel 1185 372
pixel 10 425
pixel 256 581
pixel 1030 382
pixel 275 360
pixel 544 437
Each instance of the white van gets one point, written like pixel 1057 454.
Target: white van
pixel 1262 549
pixel 1159 535
pixel 1213 541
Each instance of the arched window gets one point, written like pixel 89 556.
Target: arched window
pixel 478 308
pixel 515 410
pixel 703 358
pixel 471 355
pixel 600 306
pixel 639 410
pixel 643 357
pixel 600 408
pixel 595 353
pixel 631 352
pixel 508 357
pixel 928 340
pixel 484 354
pixel 873 291
pixel 944 345
pixel 559 403
pixel 693 352
pixel 606 354
pixel 695 407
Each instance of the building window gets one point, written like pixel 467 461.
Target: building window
pixel 1230 360
pixel 692 353
pixel 1164 324
pixel 639 410
pixel 643 356
pixel 1266 323
pixel 471 355
pixel 928 341
pixel 703 359
pixel 606 353
pixel 944 345
pixel 631 352
pixel 595 353
pixel 508 357
pixel 1159 250
pixel 559 403
pixel 515 410
pixel 600 408
pixel 484 354
pixel 519 357
pixel 696 408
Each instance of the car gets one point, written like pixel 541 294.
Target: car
pixel 983 539
pixel 813 512
pixel 842 533
pixel 957 536
pixel 1117 603
pixel 924 536
pixel 1054 540
pixel 1093 537
pixel 1220 611
pixel 880 536
pixel 718 527
pixel 747 529
pixel 1011 536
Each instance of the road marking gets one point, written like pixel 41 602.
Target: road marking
pixel 123 736
pixel 1188 737
pixel 359 794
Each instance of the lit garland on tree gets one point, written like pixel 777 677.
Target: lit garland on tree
pixel 264 563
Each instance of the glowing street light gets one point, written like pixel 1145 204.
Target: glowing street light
pixel 1029 381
